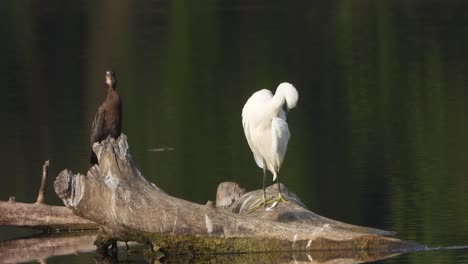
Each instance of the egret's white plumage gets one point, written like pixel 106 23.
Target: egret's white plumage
pixel 265 126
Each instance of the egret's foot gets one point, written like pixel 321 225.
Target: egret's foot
pixel 263 203
pixel 278 200
pixel 281 199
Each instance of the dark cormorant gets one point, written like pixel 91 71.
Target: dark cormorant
pixel 108 118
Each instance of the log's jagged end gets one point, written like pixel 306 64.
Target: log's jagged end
pixel 62 184
pixel 115 160
pixel 118 147
pixel 69 188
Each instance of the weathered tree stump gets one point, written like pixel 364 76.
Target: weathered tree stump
pixel 115 195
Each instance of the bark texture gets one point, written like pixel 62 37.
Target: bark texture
pixel 115 195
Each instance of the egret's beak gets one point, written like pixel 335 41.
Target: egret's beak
pixel 286 111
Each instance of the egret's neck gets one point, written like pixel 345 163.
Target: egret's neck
pixel 278 101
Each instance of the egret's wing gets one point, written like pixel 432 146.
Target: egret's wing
pixel 250 118
pixel 97 128
pixel 280 134
pixel 256 154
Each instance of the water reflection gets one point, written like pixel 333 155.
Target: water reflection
pixel 378 138
pixel 42 247
pixel 324 257
pixel 79 247
pixel 47 247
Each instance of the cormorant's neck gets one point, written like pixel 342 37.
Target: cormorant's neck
pixel 109 88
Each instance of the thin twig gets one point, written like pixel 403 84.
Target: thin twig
pixel 40 196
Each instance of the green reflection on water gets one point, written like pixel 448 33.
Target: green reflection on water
pixel 378 137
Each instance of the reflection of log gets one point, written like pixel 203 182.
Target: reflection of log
pixel 312 257
pixel 42 247
pixel 116 196
pixel 41 216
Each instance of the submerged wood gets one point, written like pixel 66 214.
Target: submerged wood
pixel 115 195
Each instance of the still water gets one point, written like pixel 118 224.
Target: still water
pixel 378 138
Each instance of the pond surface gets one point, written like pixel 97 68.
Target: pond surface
pixel 379 137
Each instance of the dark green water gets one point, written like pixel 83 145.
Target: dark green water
pixel 379 137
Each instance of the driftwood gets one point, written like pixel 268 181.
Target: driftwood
pixel 41 194
pixel 115 195
pixel 39 215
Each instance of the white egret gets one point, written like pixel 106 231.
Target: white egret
pixel 266 130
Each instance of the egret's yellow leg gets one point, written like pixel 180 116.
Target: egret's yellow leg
pixel 264 201
pixel 280 198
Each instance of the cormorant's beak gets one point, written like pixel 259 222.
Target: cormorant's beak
pixel 110 79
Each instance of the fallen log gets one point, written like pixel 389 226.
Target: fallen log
pixel 41 216
pixel 115 195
